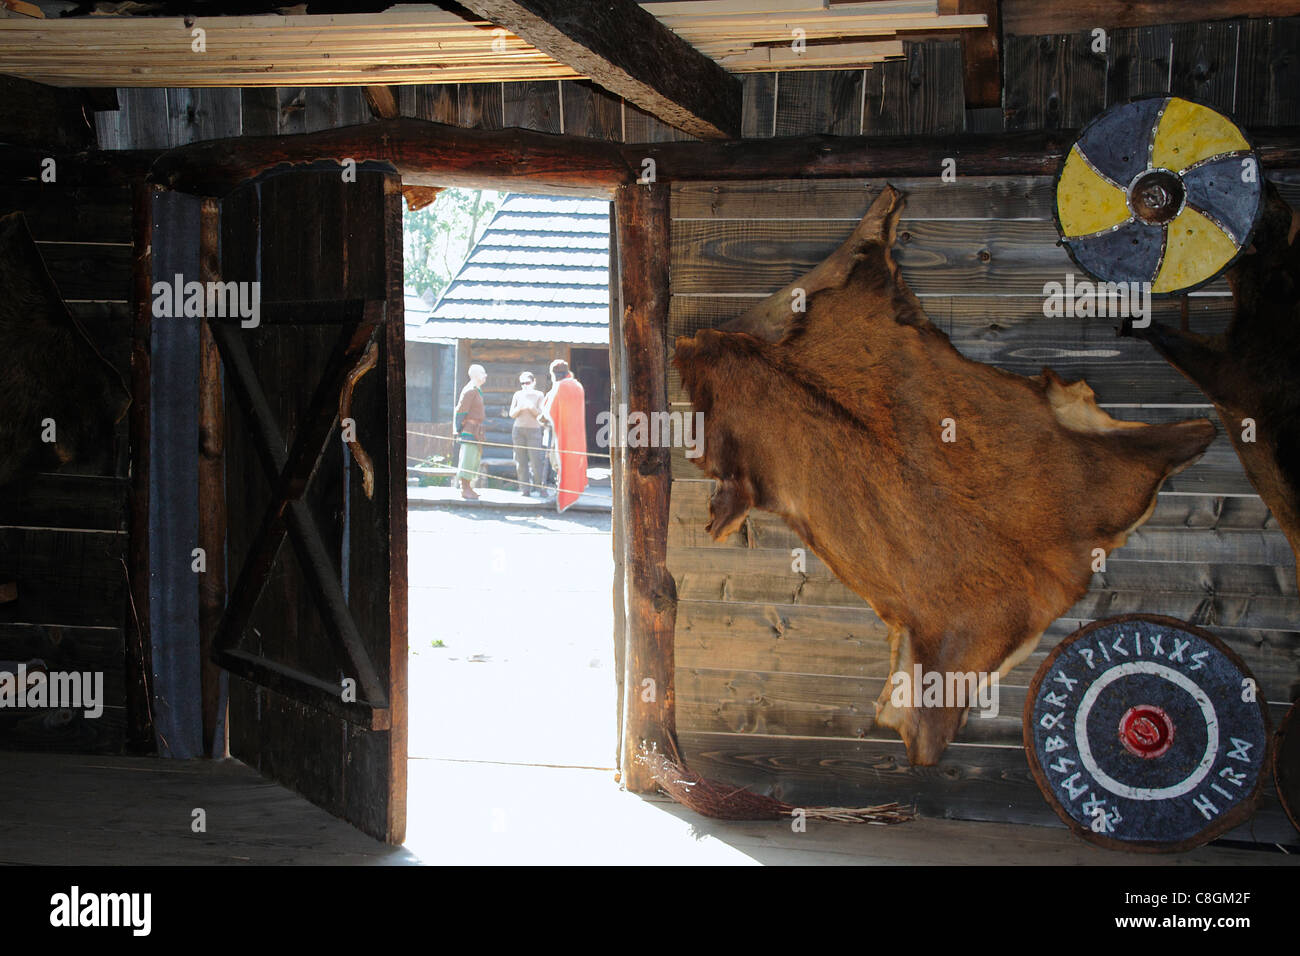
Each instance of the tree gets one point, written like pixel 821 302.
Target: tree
pixel 437 239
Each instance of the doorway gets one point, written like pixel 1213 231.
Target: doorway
pixel 511 671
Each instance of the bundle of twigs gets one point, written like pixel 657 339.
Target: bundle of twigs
pixel 726 802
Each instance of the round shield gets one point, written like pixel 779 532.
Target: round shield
pixel 1146 733
pixel 1159 190
pixel 1286 765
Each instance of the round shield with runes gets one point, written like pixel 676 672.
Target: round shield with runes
pixel 1159 190
pixel 1146 733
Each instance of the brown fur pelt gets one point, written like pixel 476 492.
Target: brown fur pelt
pixel 836 419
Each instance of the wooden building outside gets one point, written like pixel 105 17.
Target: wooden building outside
pixel 533 289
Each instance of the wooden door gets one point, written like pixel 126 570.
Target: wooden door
pixel 591 368
pixel 314 630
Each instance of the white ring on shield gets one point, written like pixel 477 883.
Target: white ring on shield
pixel 1147 793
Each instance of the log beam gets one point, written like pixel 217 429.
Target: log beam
pixel 426 154
pixel 382 101
pixel 1033 17
pixel 851 157
pixel 649 717
pixel 629 52
pixel 437 155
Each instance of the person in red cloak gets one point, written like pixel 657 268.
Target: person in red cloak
pixel 565 408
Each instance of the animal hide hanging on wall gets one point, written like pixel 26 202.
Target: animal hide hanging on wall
pixel 963 502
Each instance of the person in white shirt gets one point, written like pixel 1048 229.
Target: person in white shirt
pixel 526 435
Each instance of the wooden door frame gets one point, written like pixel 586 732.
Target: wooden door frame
pixel 644 593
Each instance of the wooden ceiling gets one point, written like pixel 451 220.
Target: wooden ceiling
pixel 413 43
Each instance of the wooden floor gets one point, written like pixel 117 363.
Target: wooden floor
pixel 57 809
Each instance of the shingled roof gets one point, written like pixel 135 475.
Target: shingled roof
pixel 540 273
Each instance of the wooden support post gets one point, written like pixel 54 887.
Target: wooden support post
pixel 382 101
pixel 139 650
pixel 212 488
pixel 981 52
pixel 649 713
pixel 618 516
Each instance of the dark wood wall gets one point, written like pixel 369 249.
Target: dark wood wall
pixel 776 669
pixel 64 541
pixel 1247 67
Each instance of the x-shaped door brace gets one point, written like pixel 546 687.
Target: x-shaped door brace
pixel 290 473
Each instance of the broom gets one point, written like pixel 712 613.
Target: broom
pixel 726 802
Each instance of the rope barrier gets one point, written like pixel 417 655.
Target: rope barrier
pixel 516 481
pixel 497 444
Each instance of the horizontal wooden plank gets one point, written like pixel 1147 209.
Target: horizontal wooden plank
pixel 734 574
pixel 89 271
pixel 974 197
pixel 67 501
pixel 64 577
pixel 1031 17
pixel 53 731
pixel 818 705
pixel 937 257
pixel 65 648
pixel 971 782
pixel 71 214
pixel 967 197
pixel 853 642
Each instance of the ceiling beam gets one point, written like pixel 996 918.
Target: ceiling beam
pixel 512 159
pixel 1032 17
pixel 426 154
pixel 382 101
pixel 627 51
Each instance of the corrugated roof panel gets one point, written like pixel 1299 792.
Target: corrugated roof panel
pixel 544 240
pixel 548 222
pixel 564 205
pixel 509 294
pixel 491 255
pixel 526 332
pixel 523 312
pixel 540 272
pixel 505 274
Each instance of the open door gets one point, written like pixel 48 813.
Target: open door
pixel 314 629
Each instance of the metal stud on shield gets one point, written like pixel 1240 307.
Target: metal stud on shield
pixel 1159 190
pixel 1146 733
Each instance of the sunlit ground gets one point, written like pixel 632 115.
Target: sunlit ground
pixel 512 721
